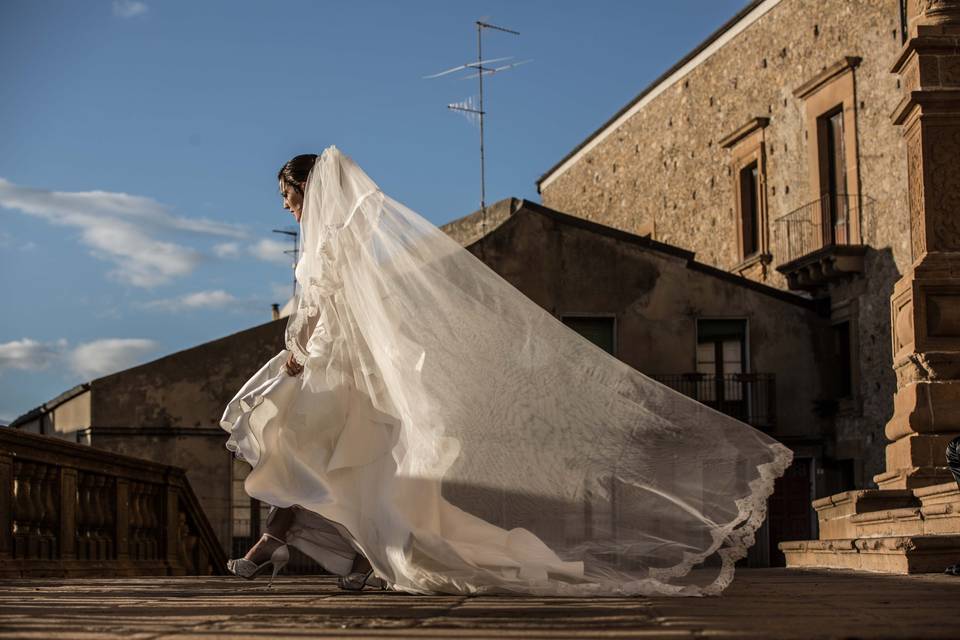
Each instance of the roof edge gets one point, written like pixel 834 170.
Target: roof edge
pixel 71 393
pixel 743 19
pixel 53 403
pixel 689 257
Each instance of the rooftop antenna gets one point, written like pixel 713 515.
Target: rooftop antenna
pixel 475 112
pixel 295 252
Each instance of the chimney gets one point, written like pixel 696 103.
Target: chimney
pixel 275 308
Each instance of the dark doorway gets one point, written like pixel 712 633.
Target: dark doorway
pixel 789 508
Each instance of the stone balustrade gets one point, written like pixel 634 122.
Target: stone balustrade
pixel 73 510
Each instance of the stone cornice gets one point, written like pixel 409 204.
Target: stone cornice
pixel 847 63
pixel 934 44
pixel 933 100
pixel 743 131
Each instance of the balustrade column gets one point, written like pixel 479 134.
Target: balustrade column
pixel 122 522
pixel 171 529
pixel 6 507
pixel 925 306
pixel 68 513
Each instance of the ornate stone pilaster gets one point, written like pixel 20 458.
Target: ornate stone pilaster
pixel 912 523
pixel 925 306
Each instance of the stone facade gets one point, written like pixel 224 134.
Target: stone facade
pixel 665 166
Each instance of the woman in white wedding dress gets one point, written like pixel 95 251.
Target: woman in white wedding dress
pixel 428 418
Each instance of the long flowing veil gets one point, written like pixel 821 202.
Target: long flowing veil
pixel 468 441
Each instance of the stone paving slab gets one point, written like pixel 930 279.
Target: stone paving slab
pixel 761 603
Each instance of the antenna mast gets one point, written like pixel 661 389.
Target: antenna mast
pixel 467 106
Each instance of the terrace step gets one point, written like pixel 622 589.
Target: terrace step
pixel 888 554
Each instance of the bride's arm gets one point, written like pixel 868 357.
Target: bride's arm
pixel 293 367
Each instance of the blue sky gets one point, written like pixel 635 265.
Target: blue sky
pixel 139 144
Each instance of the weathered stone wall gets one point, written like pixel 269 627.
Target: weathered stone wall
pixel 663 168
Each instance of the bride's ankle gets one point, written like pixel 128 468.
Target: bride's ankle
pixel 270 536
pixel 263 547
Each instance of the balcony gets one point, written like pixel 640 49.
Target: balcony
pixel 748 397
pixel 820 242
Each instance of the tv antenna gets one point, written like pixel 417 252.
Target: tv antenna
pixel 295 252
pixel 474 111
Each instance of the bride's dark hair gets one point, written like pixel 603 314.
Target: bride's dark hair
pixel 296 170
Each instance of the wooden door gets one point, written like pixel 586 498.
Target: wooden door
pixel 789 508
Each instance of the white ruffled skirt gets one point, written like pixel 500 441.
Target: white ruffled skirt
pixel 326 451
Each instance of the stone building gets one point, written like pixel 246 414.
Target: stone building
pixel 770 153
pixel 815 146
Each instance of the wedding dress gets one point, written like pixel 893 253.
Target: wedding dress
pixel 466 441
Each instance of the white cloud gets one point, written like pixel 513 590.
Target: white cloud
pixel 272 251
pixel 226 250
pixel 7 241
pixel 102 357
pixel 30 355
pixel 128 8
pixel 216 299
pixel 90 359
pixel 120 228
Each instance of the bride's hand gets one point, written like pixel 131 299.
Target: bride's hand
pixel 293 367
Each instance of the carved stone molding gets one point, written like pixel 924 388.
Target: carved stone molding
pixel 927 15
pixel 935 12
pixel 915 194
pixel 743 131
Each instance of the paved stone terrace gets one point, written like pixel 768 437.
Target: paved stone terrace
pixel 761 603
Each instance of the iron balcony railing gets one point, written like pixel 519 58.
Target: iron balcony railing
pixel 749 397
pixel 832 219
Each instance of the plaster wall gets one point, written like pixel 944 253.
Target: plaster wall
pixel 189 388
pixel 656 299
pixel 72 415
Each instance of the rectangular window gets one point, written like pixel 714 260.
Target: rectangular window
pixel 748 170
pixel 721 356
pixel 844 369
pixel 830 124
pixel 750 209
pixel 833 171
pixel 598 330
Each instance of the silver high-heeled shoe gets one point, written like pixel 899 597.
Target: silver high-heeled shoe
pixel 358 580
pixel 249 569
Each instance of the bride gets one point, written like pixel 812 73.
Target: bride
pixel 431 429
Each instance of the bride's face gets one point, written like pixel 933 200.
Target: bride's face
pixel 292 199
